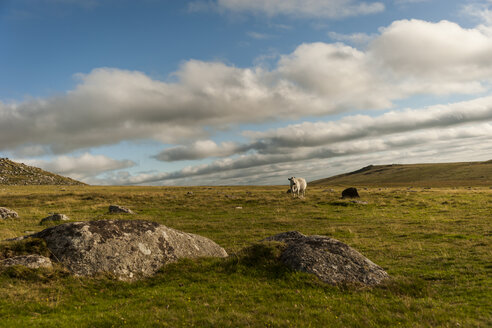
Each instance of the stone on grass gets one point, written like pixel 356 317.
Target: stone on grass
pixel 331 260
pixel 56 217
pixel 350 193
pixel 128 249
pixel 31 261
pixel 115 209
pixel 7 213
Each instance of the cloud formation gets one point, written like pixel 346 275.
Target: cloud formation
pixel 109 105
pixel 358 39
pixel 198 150
pixel 80 167
pixel 472 142
pixel 482 11
pixel 443 57
pixel 428 134
pixel 333 9
pixel 310 135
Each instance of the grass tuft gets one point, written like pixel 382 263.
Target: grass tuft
pixel 24 247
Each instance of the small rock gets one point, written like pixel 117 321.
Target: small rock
pixel 358 202
pixel 113 209
pixel 30 261
pixel 350 193
pixel 56 217
pixel 7 213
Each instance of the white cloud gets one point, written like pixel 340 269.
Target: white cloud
pixel 472 142
pixel 311 134
pixel 482 11
pixel 332 9
pixel 437 57
pixel 110 105
pixel 198 150
pixel 352 128
pixel 80 167
pixel 358 39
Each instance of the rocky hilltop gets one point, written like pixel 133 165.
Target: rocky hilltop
pixel 12 173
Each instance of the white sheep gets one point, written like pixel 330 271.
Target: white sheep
pixel 297 186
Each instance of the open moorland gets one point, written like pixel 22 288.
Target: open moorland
pixel 434 242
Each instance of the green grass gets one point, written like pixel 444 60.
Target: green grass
pixel 418 175
pixel 435 243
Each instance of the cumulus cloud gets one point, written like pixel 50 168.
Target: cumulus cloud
pixel 358 39
pixel 472 142
pixel 464 128
pixel 311 134
pixel 439 57
pixel 109 105
pixel 481 11
pixel 315 134
pixel 80 167
pixel 198 150
pixel 332 9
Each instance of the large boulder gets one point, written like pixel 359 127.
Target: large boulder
pixel 129 249
pixel 331 260
pixel 7 213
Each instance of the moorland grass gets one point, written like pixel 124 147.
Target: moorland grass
pixel 435 243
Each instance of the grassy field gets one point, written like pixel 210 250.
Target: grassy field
pixel 435 243
pixel 417 175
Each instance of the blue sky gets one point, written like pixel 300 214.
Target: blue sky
pixel 242 91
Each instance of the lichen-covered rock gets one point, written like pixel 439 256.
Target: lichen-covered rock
pixel 115 209
pixel 7 213
pixel 129 249
pixel 31 261
pixel 331 260
pixel 56 217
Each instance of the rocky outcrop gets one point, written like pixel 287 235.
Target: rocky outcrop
pixel 129 249
pixel 56 217
pixel 30 261
pixel 117 209
pixel 12 173
pixel 331 260
pixel 6 213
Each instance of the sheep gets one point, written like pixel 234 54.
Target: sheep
pixel 298 186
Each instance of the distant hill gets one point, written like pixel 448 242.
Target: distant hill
pixel 441 174
pixel 12 173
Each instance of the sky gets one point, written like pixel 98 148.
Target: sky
pixel 242 92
